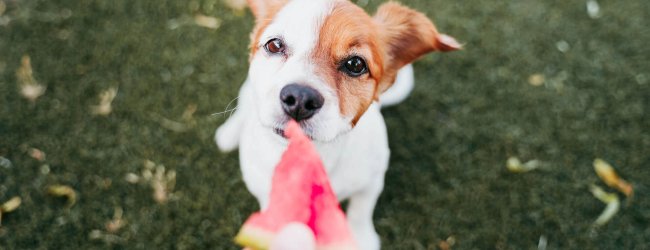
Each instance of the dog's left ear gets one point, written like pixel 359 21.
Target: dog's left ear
pixel 407 35
pixel 264 9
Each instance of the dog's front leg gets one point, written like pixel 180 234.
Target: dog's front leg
pixel 359 213
pixel 229 133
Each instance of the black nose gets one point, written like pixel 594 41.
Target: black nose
pixel 300 102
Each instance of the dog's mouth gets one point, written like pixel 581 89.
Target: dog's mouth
pixel 279 130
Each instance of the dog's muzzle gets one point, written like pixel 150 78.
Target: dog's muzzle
pixel 300 102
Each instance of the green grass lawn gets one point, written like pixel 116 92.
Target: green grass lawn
pixel 450 140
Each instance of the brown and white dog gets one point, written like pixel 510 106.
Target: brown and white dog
pixel 328 65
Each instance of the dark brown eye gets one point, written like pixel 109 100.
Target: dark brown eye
pixel 274 46
pixel 354 66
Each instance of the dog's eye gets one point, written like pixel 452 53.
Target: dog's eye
pixel 354 66
pixel 275 46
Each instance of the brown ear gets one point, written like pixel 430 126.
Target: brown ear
pixel 265 9
pixel 407 35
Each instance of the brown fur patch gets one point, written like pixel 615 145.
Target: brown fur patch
pixel 407 35
pixel 394 37
pixel 348 31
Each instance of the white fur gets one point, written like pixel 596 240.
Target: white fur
pixel 355 159
pixel 401 88
pixel 298 24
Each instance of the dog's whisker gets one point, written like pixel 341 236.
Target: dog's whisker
pixel 231 101
pixel 233 111
pixel 228 109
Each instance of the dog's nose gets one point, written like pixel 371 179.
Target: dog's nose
pixel 300 102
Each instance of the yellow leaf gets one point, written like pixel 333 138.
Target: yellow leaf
pixel 11 204
pixel 612 202
pixel 63 191
pixel 606 173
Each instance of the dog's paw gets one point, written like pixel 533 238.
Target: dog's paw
pixel 226 139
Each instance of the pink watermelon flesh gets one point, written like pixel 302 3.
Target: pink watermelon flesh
pixel 300 192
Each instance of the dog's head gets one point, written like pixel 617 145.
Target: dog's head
pixel 323 62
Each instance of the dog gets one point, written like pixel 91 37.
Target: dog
pixel 330 66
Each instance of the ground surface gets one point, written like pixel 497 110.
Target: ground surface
pixel 470 111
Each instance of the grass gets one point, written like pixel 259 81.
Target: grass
pixel 470 111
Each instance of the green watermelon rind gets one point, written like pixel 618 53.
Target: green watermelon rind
pixel 254 237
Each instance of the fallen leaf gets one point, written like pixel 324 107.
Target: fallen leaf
pixel 536 79
pixel 132 178
pixel 447 244
pixel 63 191
pixel 542 243
pixel 162 181
pixel 613 204
pixel 593 9
pixel 159 192
pixel 607 173
pixel 3 7
pixel 117 222
pixel 514 165
pixel 207 21
pixel 105 102
pixel 29 87
pixel 236 5
pixel 11 204
pixel 6 163
pixel 37 154
pixel 45 169
pixel 189 112
pixel 563 46
pixel 443 245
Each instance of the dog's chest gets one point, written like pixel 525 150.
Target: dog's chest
pixel 351 161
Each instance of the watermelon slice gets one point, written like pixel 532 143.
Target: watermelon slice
pixel 300 192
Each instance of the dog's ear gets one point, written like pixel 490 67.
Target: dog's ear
pixel 407 35
pixel 265 9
